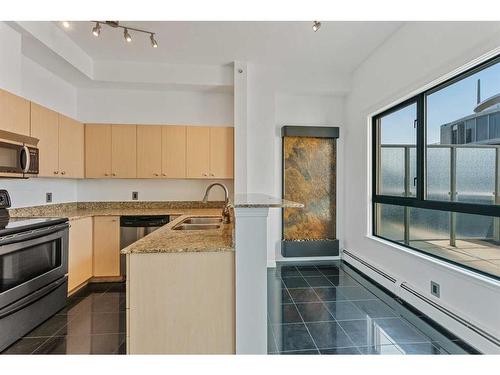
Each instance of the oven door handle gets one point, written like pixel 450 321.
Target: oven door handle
pixel 33 297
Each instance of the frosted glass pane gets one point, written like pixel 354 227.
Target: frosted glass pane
pixel 438 173
pixel 476 175
pixel 429 225
pixel 390 223
pixel 392 171
pixel 474 226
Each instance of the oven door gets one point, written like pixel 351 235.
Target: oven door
pixel 31 260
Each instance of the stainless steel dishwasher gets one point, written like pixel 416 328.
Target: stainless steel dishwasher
pixel 133 228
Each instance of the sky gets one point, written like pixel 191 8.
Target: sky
pixel 444 106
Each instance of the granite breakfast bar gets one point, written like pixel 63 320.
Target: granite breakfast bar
pixel 181 291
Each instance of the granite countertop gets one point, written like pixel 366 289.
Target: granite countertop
pixel 263 201
pixel 162 240
pixel 168 240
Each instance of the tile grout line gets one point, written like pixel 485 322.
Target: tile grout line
pixel 301 318
pixel 335 320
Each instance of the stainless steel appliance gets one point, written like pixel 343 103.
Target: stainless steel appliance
pixel 33 271
pixel 133 228
pixel 18 155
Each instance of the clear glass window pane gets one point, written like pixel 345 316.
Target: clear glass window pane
pixel 465 113
pixel 397 157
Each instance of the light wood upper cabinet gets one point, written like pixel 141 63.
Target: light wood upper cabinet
pixel 61 143
pixel 71 148
pixel 221 152
pixel 45 127
pixel 173 152
pixel 106 246
pixel 149 151
pixel 97 150
pixel 80 252
pixel 209 152
pixel 14 113
pixel 123 151
pixel 197 152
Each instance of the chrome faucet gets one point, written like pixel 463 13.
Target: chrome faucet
pixel 226 216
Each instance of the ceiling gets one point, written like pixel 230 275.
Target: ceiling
pixel 341 46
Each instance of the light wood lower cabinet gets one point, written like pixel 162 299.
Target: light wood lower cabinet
pixel 181 303
pixel 80 253
pixel 106 246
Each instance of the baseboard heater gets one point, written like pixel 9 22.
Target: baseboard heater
pixel 368 265
pixel 423 298
pixel 452 315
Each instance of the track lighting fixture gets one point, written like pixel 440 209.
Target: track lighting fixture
pixel 154 44
pixel 316 26
pixel 96 30
pixel 126 35
pixel 66 24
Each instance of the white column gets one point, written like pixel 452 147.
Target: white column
pixel 240 127
pixel 251 280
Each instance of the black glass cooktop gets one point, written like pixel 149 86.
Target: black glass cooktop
pixel 21 224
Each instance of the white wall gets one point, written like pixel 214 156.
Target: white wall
pixel 23 77
pixel 93 190
pixel 155 107
pixel 413 57
pixel 152 107
pixel 277 97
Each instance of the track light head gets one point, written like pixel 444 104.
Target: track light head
pixel 154 44
pixel 96 30
pixel 316 26
pixel 66 24
pixel 127 36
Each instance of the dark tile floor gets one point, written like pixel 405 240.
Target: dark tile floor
pixel 92 323
pixel 331 309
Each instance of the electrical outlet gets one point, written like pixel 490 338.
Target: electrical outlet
pixel 135 195
pixel 435 289
pixel 48 197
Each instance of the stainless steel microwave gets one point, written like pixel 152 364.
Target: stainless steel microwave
pixel 18 160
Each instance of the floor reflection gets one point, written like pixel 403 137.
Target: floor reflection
pixel 92 323
pixel 323 310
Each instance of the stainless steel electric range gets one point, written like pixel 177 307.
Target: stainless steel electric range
pixel 33 271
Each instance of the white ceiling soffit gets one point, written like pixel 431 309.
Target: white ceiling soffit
pixel 199 55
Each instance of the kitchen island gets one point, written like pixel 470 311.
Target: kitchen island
pixel 181 291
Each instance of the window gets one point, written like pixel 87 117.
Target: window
pixel 436 162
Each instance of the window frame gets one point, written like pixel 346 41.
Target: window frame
pixel 420 200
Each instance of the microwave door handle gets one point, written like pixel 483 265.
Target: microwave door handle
pixel 26 151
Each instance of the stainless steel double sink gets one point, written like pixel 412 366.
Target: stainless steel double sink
pixel 199 223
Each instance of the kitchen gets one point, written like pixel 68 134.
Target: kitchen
pixel 199 195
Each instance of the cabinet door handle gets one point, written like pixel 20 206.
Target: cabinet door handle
pixel 163 174
pixel 113 174
pixel 106 174
pixel 156 174
pixel 63 172
pixel 56 172
pixel 211 174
